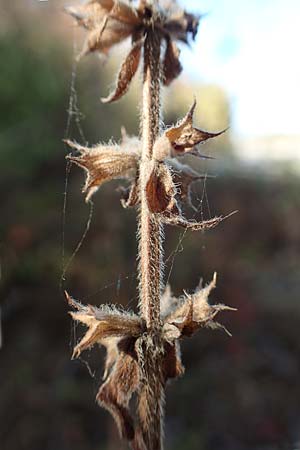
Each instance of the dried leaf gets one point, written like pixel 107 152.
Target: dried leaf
pixel 127 72
pixel 171 64
pixel 172 367
pixel 160 189
pixel 185 137
pixel 102 323
pixel 103 163
pixel 115 394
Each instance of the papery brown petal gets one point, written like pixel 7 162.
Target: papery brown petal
pixel 184 136
pixel 160 189
pixel 103 163
pixel 171 64
pixel 180 221
pixel 115 394
pixel 127 72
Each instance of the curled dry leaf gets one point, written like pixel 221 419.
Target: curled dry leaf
pixel 194 311
pixel 172 367
pixel 115 394
pixel 160 189
pixel 127 72
pixel 171 64
pixel 103 163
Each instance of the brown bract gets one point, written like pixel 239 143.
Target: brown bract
pixel 124 334
pixel 109 22
pixel 104 163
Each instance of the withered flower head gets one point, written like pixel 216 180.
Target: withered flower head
pixel 169 180
pixel 104 163
pixel 123 334
pixel 109 22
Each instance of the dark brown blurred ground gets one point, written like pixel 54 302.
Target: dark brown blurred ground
pixel 238 393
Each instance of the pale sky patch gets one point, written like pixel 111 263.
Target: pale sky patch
pixel 251 49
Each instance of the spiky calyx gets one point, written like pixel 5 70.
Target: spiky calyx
pixel 125 338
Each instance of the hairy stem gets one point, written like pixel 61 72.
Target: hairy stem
pixel 151 398
pixel 150 249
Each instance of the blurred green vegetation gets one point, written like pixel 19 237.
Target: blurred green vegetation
pixel 238 393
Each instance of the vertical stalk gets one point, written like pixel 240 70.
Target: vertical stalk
pixel 151 397
pixel 150 249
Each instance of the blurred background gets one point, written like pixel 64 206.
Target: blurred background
pixel 238 393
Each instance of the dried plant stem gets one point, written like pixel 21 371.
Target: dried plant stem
pixel 150 408
pixel 150 251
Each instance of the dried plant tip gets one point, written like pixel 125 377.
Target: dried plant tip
pixel 160 189
pixel 103 163
pixel 127 72
pixel 185 136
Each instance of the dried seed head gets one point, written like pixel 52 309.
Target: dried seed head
pixel 184 137
pixel 105 322
pixel 104 163
pixel 194 312
pixel 109 22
